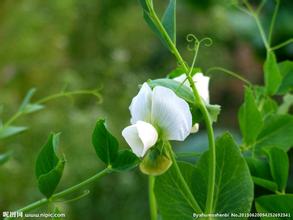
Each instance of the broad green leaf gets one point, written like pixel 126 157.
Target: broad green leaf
pixel 27 99
pixel 49 167
pixel 267 184
pixel 105 143
pixel 272 73
pixel 10 131
pixel 233 191
pixel 276 132
pixel 180 89
pixel 286 105
pixel 125 160
pixel 275 204
pixel 250 118
pixel 5 157
pixel 286 70
pixel 169 20
pixel 279 165
pixel 170 198
pixel 234 185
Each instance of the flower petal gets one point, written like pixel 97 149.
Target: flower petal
pixel 202 85
pixel 140 106
pixel 171 114
pixel 140 137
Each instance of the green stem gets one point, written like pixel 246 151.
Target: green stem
pixel 229 73
pixel 183 185
pixel 49 98
pixel 258 23
pixel 203 109
pixel 152 199
pixel 63 193
pixel 273 21
pixel 289 41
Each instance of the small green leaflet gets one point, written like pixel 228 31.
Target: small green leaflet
pixel 250 118
pixel 279 165
pixel 272 73
pixel 107 149
pixel 286 70
pixel 105 143
pixel 27 107
pixel 5 157
pixel 10 131
pixel 49 167
pixel 168 21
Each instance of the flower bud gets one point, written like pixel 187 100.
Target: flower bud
pixel 155 162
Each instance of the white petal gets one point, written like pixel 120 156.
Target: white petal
pixel 171 114
pixel 194 128
pixel 182 78
pixel 202 85
pixel 140 106
pixel 140 137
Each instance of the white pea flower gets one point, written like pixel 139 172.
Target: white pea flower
pixel 201 83
pixel 154 113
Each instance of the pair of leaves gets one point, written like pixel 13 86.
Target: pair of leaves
pixel 49 167
pixel 26 106
pixel 271 174
pixel 168 20
pixel 233 191
pixel 185 93
pixel 107 149
pixel 250 118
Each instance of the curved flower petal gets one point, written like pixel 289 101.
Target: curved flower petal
pixel 140 106
pixel 171 114
pixel 140 137
pixel 202 85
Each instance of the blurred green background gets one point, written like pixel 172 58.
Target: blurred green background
pixel 106 44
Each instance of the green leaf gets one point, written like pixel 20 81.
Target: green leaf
pixel 279 165
pixel 27 99
pixel 272 73
pixel 250 118
pixel 170 198
pixel 214 111
pixel 267 184
pixel 126 160
pixel 259 167
pixel 286 70
pixel 275 204
pixel 275 132
pixel 234 185
pixel 10 131
pixel 49 168
pixel 5 157
pixel 144 5
pixel 233 191
pixel 105 143
pixel 169 20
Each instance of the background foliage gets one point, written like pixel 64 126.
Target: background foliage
pixel 106 44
